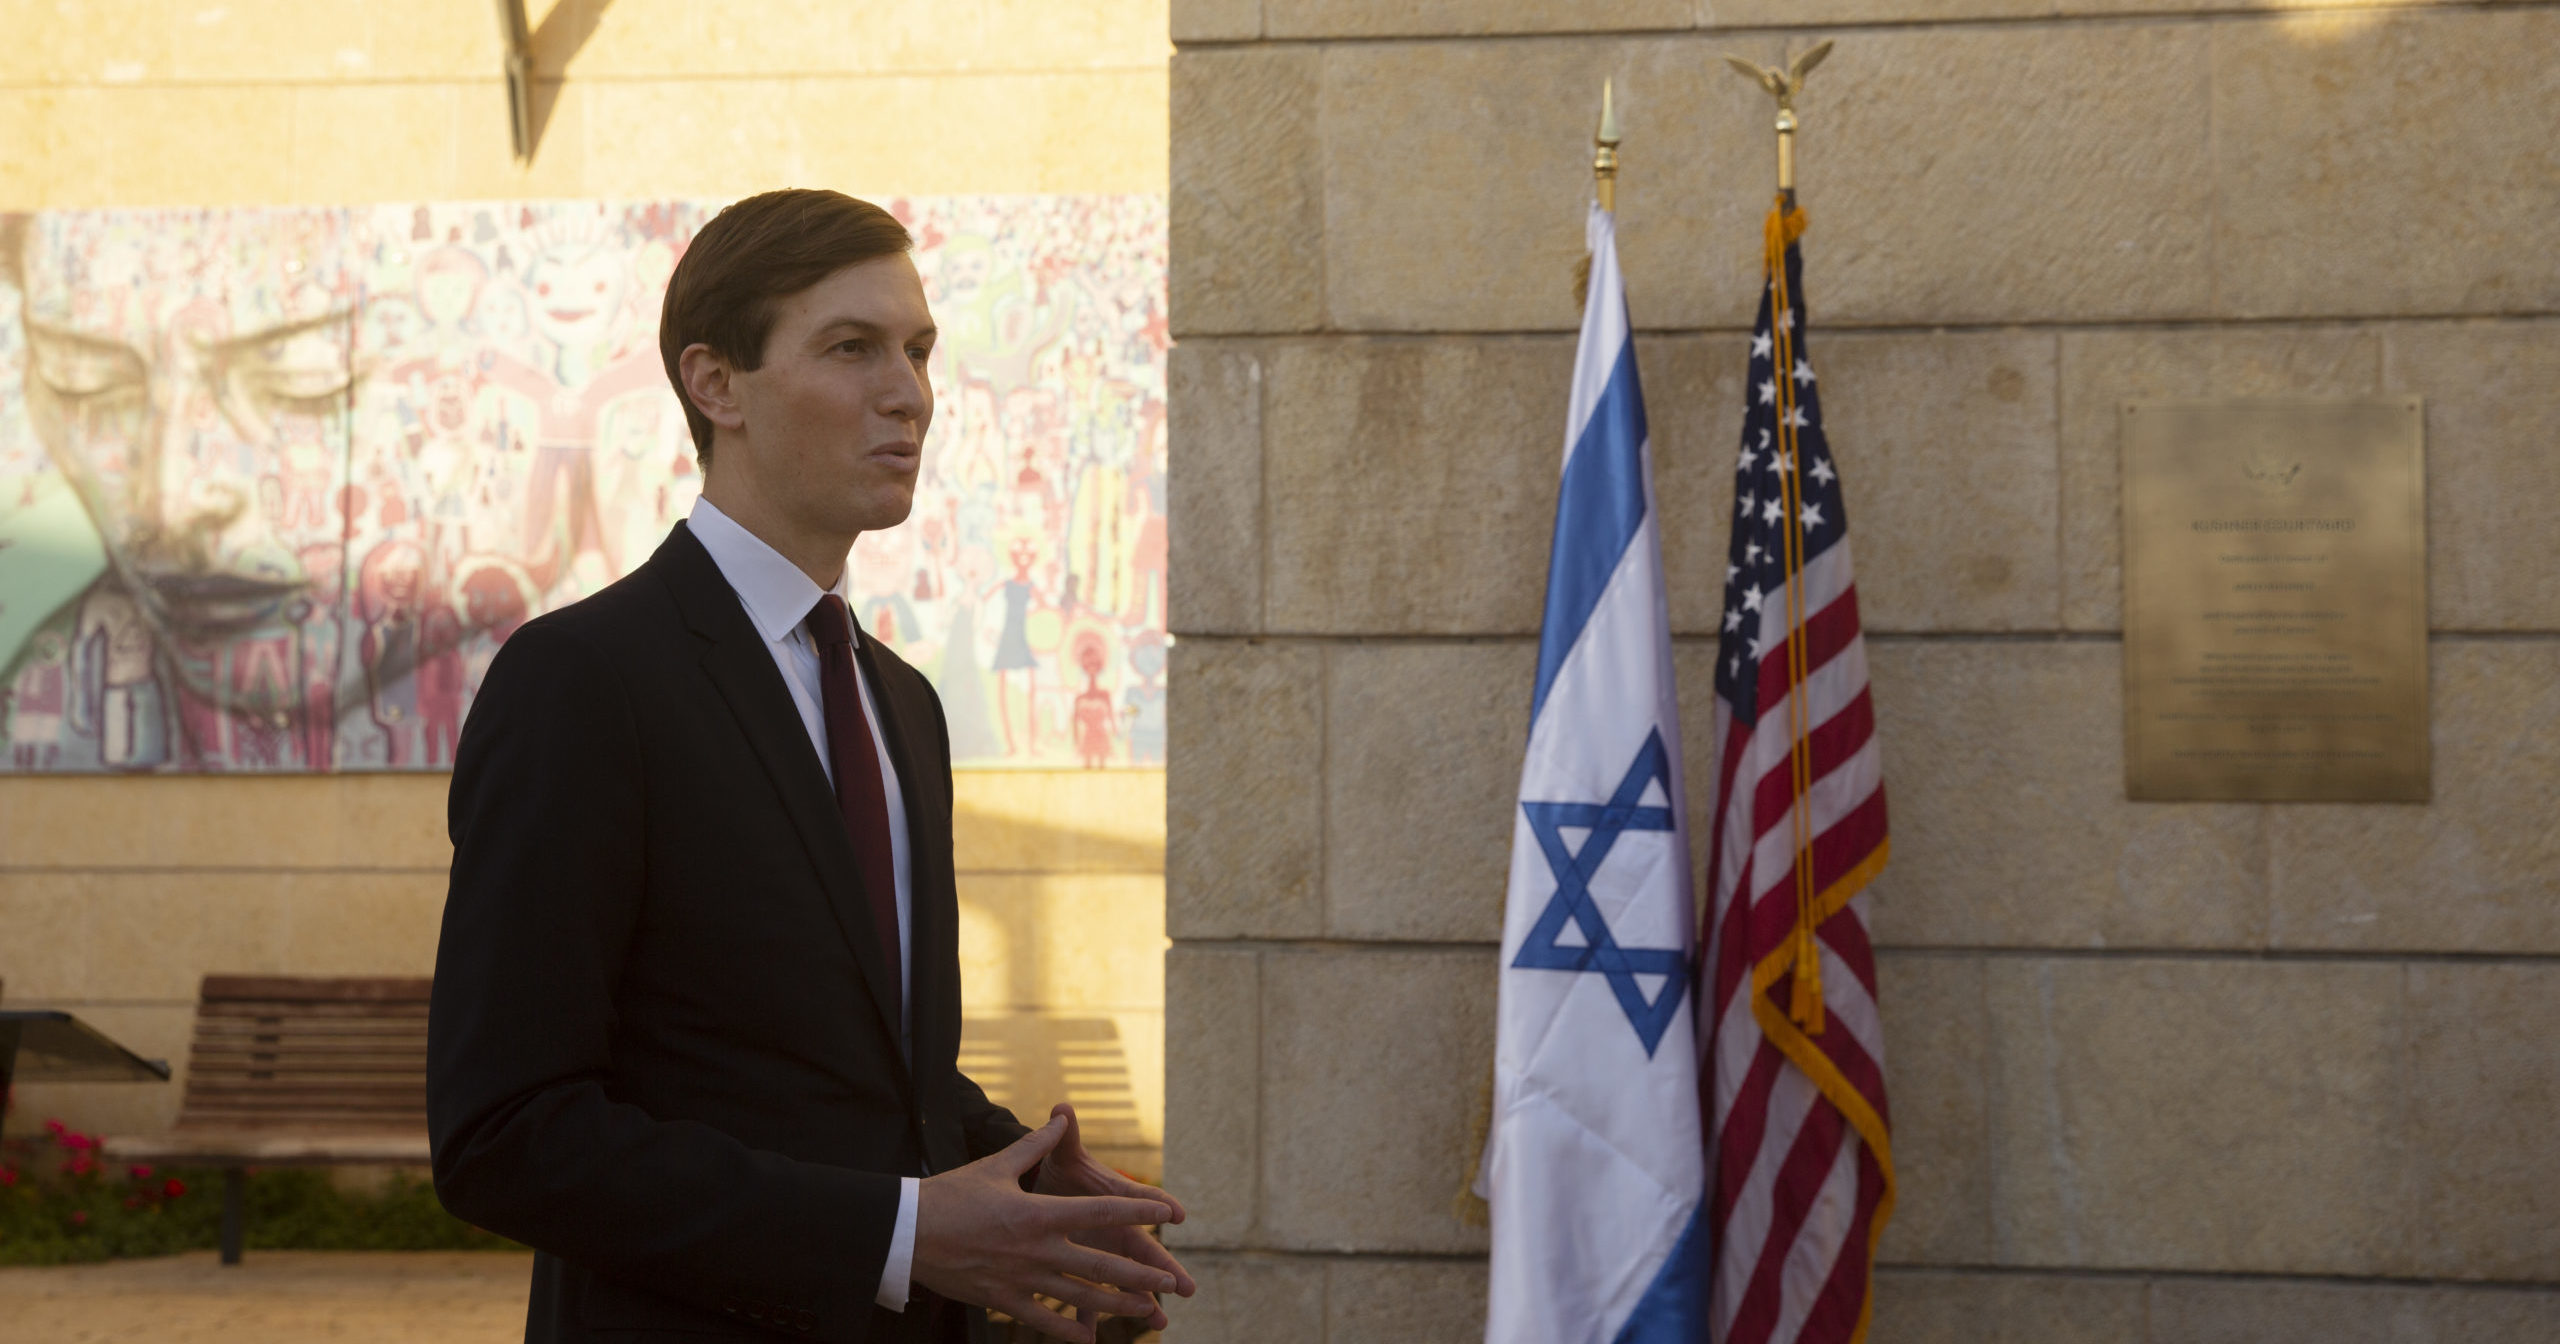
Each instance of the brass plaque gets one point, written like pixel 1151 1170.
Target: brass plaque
pixel 2275 600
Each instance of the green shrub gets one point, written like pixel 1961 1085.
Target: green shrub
pixel 60 1203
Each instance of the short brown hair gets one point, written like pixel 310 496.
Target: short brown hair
pixel 751 255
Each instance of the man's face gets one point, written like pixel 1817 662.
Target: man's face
pixel 168 367
pixel 836 418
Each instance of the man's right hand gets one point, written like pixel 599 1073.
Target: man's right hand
pixel 980 1239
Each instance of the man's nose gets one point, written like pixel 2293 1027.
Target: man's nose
pixel 908 395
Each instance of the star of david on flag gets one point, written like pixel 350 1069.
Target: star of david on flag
pixel 1573 906
pixel 1594 1164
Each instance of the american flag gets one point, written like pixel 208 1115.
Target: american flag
pixel 1798 1139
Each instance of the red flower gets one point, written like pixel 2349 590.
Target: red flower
pixel 53 1127
pixel 174 1188
pixel 133 1201
pixel 142 1173
pixel 8 1175
pixel 82 1166
pixel 79 1217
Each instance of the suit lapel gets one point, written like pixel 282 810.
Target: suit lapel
pixel 932 929
pixel 738 664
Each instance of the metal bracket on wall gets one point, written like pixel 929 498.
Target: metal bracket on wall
pixel 519 39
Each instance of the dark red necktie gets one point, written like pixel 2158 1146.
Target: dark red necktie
pixel 859 791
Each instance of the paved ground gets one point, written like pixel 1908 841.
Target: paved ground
pixel 272 1297
pixel 280 1297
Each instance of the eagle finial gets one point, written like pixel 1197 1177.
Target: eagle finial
pixel 1785 84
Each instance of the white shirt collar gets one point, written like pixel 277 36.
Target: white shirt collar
pixel 776 594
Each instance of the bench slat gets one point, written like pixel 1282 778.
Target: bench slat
pixel 282 1091
pixel 318 1012
pixel 317 989
pixel 211 1147
pixel 314 1021
pixel 319 1049
pixel 351 1061
pixel 303 1117
pixel 313 1026
pixel 308 1068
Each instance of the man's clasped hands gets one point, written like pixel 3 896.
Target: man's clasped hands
pixel 1078 1237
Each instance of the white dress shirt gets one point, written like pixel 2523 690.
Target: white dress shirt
pixel 778 598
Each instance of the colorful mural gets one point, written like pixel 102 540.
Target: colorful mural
pixel 275 484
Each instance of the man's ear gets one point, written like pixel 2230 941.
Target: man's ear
pixel 710 383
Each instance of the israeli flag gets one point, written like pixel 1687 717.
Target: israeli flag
pixel 1594 1166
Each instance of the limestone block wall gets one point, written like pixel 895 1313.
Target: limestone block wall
pixel 2160 1072
pixel 117 894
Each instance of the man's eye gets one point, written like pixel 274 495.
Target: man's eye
pixel 919 353
pixel 853 347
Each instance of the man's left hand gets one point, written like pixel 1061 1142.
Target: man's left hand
pixel 1069 1171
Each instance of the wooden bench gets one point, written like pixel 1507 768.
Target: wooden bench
pixel 297 1071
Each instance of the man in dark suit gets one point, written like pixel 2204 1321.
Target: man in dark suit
pixel 697 1002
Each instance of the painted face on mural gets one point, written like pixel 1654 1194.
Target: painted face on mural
pixel 170 372
pixel 449 283
pixel 575 293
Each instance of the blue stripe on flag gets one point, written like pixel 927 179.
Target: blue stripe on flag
pixel 1674 1309
pixel 1598 509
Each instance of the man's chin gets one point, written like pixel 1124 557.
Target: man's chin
pixel 883 510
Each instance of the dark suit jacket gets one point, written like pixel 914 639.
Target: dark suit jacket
pixel 662 1051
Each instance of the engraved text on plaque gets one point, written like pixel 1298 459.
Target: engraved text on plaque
pixel 2275 614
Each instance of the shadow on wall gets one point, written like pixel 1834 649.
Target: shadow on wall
pixel 556 41
pixel 998 839
pixel 1019 1059
pixel 1062 938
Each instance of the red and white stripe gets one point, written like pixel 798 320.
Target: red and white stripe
pixel 1799 1189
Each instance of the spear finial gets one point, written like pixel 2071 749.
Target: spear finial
pixel 1604 152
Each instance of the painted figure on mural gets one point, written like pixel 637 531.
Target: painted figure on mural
pixel 1013 651
pixel 497 596
pixel 995 323
pixel 961 677
pixel 39 701
pixel 313 614
pixel 578 291
pixel 1149 554
pixel 387 590
pixel 1094 718
pixel 119 701
pixel 1145 703
pixel 261 698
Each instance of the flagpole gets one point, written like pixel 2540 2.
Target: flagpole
pixel 1805 999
